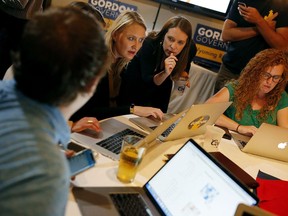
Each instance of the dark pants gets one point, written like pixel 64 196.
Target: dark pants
pixel 224 75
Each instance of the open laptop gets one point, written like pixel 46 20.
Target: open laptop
pixel 108 141
pixel 190 123
pixel 191 183
pixel 269 141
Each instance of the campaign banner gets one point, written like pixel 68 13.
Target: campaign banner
pixel 210 47
pixel 111 9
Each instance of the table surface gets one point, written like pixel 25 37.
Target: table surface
pixel 104 173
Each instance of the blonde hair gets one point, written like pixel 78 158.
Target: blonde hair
pixel 125 19
pixel 250 80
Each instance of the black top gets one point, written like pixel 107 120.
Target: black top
pixel 98 105
pixel 138 86
pixel 240 52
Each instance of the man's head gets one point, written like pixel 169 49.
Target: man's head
pixel 62 53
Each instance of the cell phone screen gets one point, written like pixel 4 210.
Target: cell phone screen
pixel 81 161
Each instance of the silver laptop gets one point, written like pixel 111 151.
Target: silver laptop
pixel 190 183
pixel 190 123
pixel 269 141
pixel 108 141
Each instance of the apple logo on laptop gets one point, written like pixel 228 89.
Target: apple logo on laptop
pixel 282 145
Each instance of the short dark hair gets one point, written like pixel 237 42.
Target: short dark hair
pixel 62 50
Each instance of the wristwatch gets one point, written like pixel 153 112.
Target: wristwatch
pixel 132 109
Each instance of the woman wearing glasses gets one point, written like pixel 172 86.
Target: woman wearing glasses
pixel 258 95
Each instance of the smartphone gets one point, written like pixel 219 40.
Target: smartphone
pixel 242 3
pixel 75 147
pixel 81 161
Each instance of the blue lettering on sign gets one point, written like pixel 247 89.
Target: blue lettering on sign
pixel 111 8
pixel 210 37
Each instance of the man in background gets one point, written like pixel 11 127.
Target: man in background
pixel 14 14
pixel 62 57
pixel 250 27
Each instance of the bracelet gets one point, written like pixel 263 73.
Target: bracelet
pixel 237 128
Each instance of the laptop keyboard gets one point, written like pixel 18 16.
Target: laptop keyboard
pixel 130 204
pixel 167 131
pixel 114 142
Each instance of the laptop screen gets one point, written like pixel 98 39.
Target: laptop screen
pixel 198 186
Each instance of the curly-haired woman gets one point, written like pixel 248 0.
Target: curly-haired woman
pixel 258 95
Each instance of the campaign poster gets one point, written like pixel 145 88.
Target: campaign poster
pixel 111 9
pixel 210 47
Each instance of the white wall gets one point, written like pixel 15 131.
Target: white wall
pixel 148 9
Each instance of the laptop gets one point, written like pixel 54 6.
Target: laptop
pixel 190 123
pixel 245 210
pixel 269 141
pixel 108 142
pixel 191 183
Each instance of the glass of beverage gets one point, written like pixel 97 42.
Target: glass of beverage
pixel 130 158
pixel 212 138
pixel 180 85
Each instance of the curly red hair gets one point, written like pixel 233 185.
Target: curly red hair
pixel 250 79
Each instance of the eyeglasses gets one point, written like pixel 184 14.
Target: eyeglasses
pixel 275 78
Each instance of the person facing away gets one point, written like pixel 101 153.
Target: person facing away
pixel 54 76
pixel 86 122
pixel 165 56
pixel 258 26
pixel 258 95
pixel 123 39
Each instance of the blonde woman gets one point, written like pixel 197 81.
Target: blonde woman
pixel 124 38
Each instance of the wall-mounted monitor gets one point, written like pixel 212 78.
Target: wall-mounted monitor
pixel 213 8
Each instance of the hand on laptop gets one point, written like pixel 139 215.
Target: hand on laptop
pixel 86 123
pixel 148 111
pixel 248 130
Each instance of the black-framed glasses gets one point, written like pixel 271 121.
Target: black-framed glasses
pixel 275 78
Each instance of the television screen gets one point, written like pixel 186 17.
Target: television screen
pixel 213 8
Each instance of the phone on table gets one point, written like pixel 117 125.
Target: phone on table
pixel 75 147
pixel 242 3
pixel 81 161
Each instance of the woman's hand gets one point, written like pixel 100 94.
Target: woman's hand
pixel 86 123
pixel 186 76
pixel 170 63
pixel 148 111
pixel 247 130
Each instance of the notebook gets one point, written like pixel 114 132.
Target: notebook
pixel 269 141
pixel 190 123
pixel 108 141
pixel 191 183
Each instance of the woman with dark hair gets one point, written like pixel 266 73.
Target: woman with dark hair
pixel 165 56
pixel 258 95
